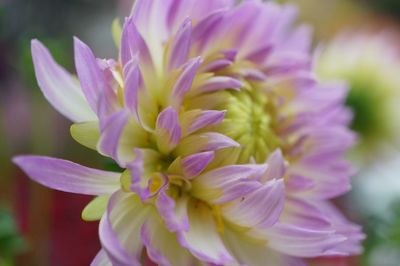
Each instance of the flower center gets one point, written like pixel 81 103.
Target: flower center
pixel 250 121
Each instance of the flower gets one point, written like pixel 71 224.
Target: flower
pixel 231 149
pixel 370 63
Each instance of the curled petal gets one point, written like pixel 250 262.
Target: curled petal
pixel 68 176
pixel 168 130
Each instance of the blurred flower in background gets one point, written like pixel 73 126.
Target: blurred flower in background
pixel 370 63
pixel 362 46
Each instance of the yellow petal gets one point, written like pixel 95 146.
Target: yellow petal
pixel 86 133
pixel 116 31
pixel 95 209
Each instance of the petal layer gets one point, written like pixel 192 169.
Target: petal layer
pixel 68 176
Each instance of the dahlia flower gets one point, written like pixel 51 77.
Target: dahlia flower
pixel 370 63
pixel 230 146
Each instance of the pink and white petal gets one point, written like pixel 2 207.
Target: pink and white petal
pixel 68 176
pixel 157 20
pixel 173 212
pixel 138 183
pixel 300 242
pixel 250 252
pixel 101 259
pixel 91 77
pixel 353 232
pixel 203 239
pixel 194 120
pixel 305 214
pixel 196 10
pixel 162 246
pixel 133 45
pixel 109 142
pixel 325 142
pixel 203 31
pixel 297 183
pixel 324 181
pixel 227 183
pixel 299 40
pixel 181 45
pixel 119 229
pixel 137 98
pixel 108 101
pixel 132 83
pixel 184 82
pixel 216 65
pixel 59 87
pixel 107 105
pixel 276 167
pixel 150 20
pixel 218 83
pixel 259 56
pixel 260 208
pixel 193 165
pixel 168 130
pixel 210 141
pixel 120 135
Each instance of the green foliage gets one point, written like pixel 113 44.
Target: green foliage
pixel 389 6
pixel 11 243
pixel 393 232
pixel 110 165
pixel 382 231
pixel 367 120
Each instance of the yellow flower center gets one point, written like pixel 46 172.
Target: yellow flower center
pixel 250 121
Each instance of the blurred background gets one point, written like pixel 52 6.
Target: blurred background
pixel 359 41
